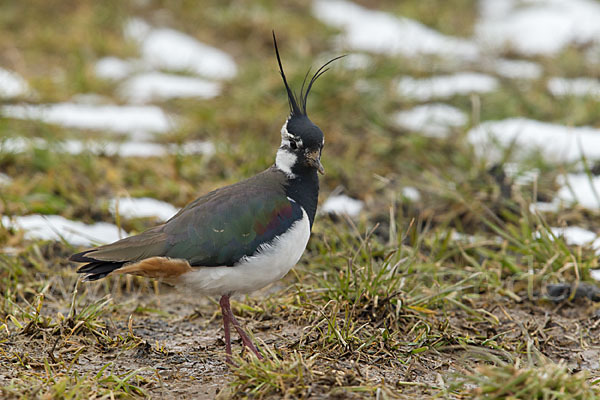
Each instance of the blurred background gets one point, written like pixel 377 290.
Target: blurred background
pixel 466 130
pixel 125 103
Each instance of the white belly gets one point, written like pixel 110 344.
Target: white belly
pixel 271 263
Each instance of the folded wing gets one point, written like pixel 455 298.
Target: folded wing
pixel 217 229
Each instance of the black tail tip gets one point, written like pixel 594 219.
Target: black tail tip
pixel 94 277
pixel 98 269
pixel 81 257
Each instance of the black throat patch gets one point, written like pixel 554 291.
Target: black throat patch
pixel 304 190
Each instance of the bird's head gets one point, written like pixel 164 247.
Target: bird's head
pixel 301 140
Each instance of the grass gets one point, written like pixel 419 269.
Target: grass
pixel 443 297
pixel 57 385
pixel 296 377
pixel 543 379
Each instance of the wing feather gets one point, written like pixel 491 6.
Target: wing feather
pixel 217 229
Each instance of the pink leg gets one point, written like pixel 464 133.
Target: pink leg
pixel 224 302
pixel 226 309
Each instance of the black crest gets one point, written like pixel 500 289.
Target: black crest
pixel 298 104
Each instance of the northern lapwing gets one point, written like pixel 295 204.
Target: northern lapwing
pixel 238 238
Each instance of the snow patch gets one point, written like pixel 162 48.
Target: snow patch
pixel 463 237
pixel 342 204
pixel 113 68
pixel 55 227
pixel 434 119
pixel 138 149
pixel 142 208
pixel 517 69
pixel 125 149
pixel 383 33
pixel 12 84
pixel 542 206
pixel 555 142
pixel 575 235
pixel 519 176
pixel 144 88
pixel 530 27
pixel 120 119
pixel 561 87
pixel 411 193
pixel 164 48
pixel 91 99
pixel 15 145
pixel 194 147
pixel 537 27
pixel 446 86
pixel 582 189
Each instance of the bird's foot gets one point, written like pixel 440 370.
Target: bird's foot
pixel 246 340
pixel 229 361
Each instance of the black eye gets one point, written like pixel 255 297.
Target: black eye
pixel 293 145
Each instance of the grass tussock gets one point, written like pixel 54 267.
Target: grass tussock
pixel 515 381
pixel 53 384
pixel 296 377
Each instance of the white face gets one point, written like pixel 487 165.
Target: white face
pixel 285 158
pixel 288 140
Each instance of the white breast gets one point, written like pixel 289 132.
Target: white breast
pixel 270 263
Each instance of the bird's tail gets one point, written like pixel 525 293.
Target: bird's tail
pixel 95 269
pixel 119 256
pixel 163 268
